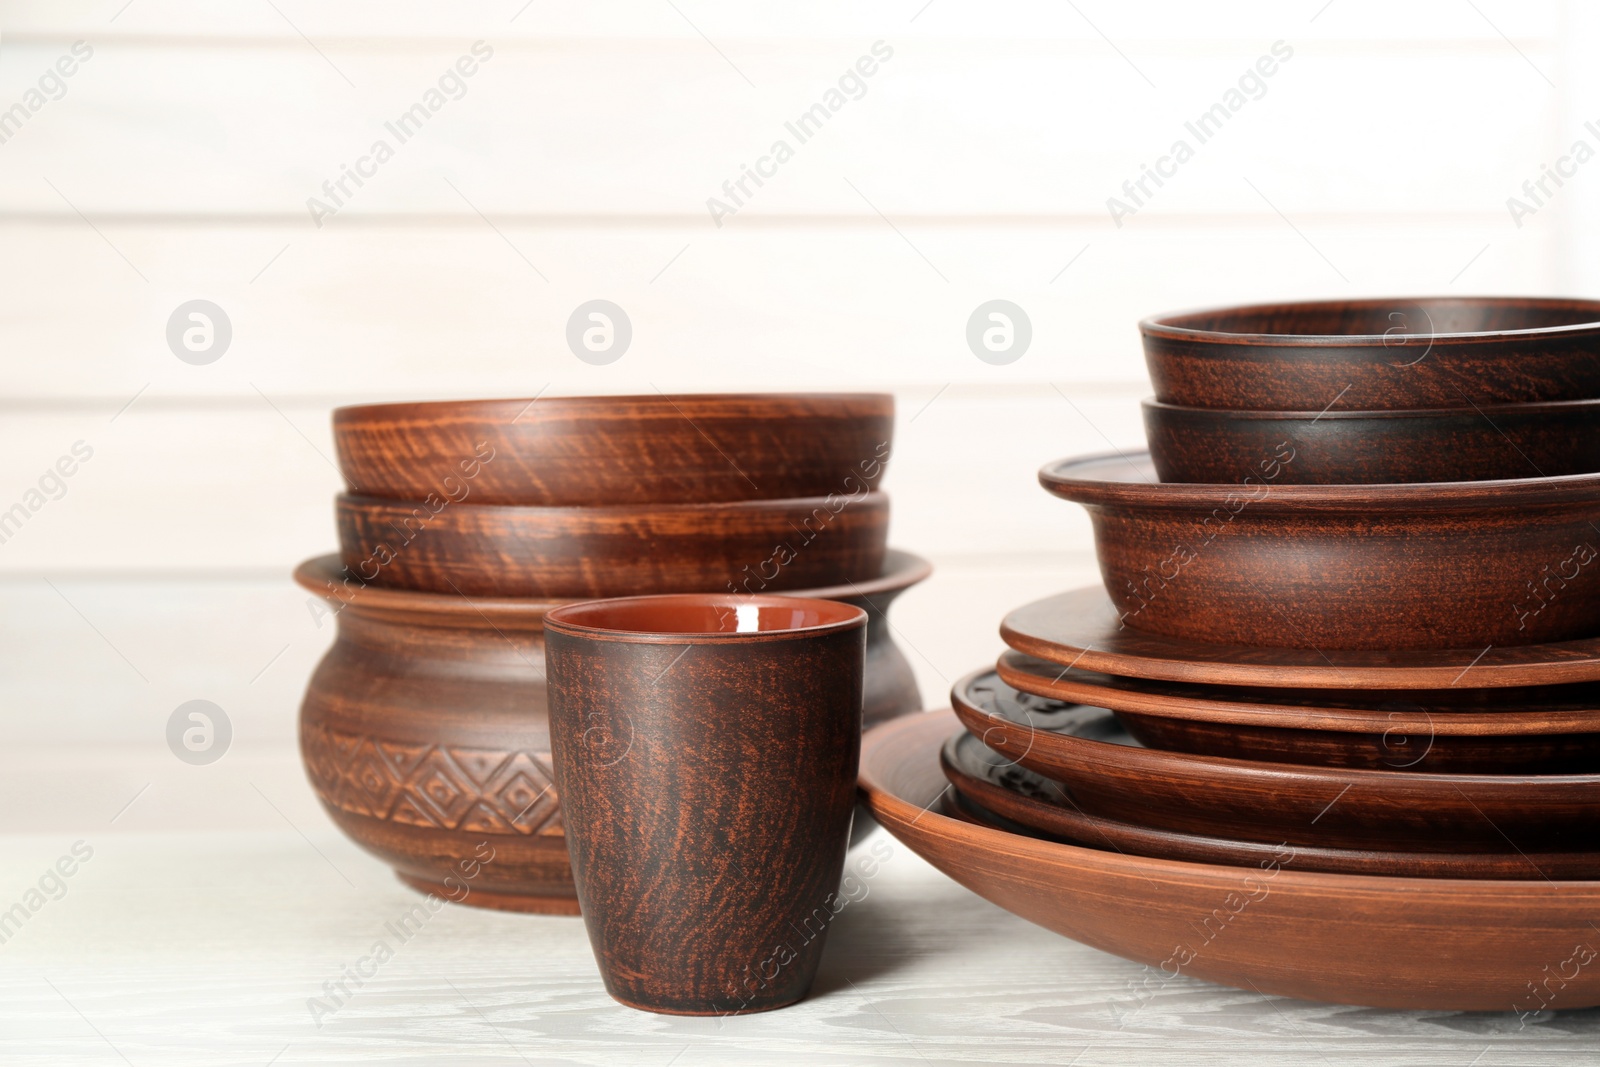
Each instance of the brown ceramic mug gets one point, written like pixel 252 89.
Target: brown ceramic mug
pixel 705 751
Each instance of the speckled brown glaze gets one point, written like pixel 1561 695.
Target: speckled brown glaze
pixel 502 551
pixel 1436 565
pixel 1357 355
pixel 1352 447
pixel 1551 730
pixel 707 780
pixel 424 730
pixel 1316 807
pixel 1411 943
pixel 597 450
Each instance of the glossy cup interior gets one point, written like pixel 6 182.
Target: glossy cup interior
pixel 705 616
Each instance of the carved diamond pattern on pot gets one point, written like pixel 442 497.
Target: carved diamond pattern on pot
pixel 479 763
pixel 374 781
pixel 323 768
pixel 524 793
pixel 441 788
pixel 483 819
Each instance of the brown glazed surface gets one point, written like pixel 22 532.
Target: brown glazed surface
pixel 1436 565
pixel 490 550
pixel 563 451
pixel 992 785
pixel 1544 731
pixel 1412 943
pixel 424 730
pixel 1316 807
pixel 1356 355
pixel 1351 447
pixel 1080 629
pixel 707 783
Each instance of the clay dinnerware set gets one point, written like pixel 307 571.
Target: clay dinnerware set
pixel 426 729
pixel 1331 728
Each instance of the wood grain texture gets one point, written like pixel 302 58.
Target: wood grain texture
pixel 1190 444
pixel 1315 807
pixel 706 749
pixel 425 731
pixel 1394 352
pixel 1398 942
pixel 994 785
pixel 1446 565
pixel 439 546
pixel 1081 628
pixel 588 451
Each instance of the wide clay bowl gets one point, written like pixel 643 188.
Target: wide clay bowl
pixel 1529 731
pixel 596 450
pixel 1272 803
pixel 750 546
pixel 1426 565
pixel 1081 629
pixel 1358 355
pixel 425 736
pixel 1415 943
pixel 1351 447
pixel 991 785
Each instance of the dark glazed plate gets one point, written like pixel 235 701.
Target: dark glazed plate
pixel 1271 803
pixel 1353 447
pixel 1426 565
pixel 1080 629
pixel 1551 730
pixel 1415 943
pixel 1359 355
pixel 994 787
pixel 599 450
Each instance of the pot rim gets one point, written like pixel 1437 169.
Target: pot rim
pixel 1535 408
pixel 509 410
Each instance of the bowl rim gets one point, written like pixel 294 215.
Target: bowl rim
pixel 1168 325
pixel 495 409
pixel 835 617
pixel 1475 411
pixel 1152 494
pixel 877 499
pixel 881 799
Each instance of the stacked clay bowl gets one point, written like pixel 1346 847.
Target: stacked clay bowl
pixel 1331 727
pixel 424 729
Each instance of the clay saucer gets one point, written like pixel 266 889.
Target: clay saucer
pixel 997 788
pixel 1545 730
pixel 1081 629
pixel 1420 565
pixel 1415 943
pixel 1376 353
pixel 1315 807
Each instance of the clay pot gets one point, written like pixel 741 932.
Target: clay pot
pixel 706 748
pixel 1363 355
pixel 424 730
pixel 601 450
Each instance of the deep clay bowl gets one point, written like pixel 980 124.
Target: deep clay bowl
pixel 1272 803
pixel 1365 355
pixel 748 546
pixel 1427 565
pixel 1413 943
pixel 1548 730
pixel 1349 447
pixel 599 450
pixel 424 730
pixel 1011 796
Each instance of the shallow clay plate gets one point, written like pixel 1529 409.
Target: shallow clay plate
pixel 1549 730
pixel 992 785
pixel 1081 629
pixel 1417 943
pixel 1317 807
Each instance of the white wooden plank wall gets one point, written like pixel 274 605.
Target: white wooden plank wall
pixel 177 162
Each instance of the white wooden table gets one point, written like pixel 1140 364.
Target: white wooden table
pixel 219 901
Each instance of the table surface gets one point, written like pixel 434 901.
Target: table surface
pixel 218 901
